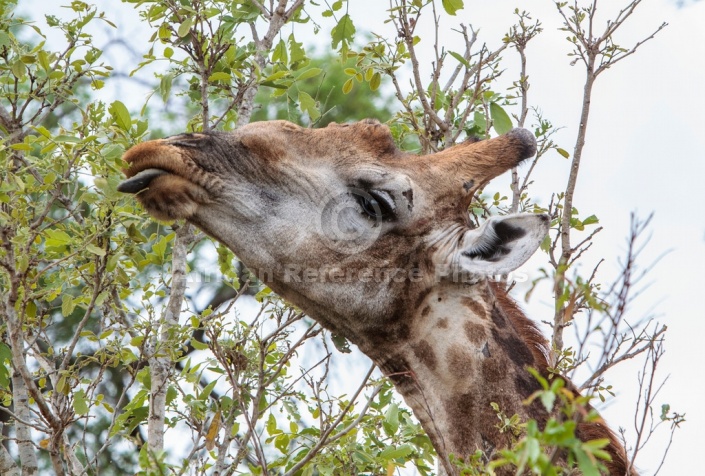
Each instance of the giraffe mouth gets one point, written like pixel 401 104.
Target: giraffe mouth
pixel 140 181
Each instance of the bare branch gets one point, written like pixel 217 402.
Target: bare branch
pixel 620 56
pixel 406 32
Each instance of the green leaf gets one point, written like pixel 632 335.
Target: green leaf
pixel 533 449
pixel 95 250
pixel 137 340
pixel 206 392
pixel 347 87
pixel 546 244
pixel 5 356
pixel 121 115
pixel 309 73
pixel 145 378
pixel 165 86
pixel 276 76
pixel 281 442
pixel 391 452
pixel 480 121
pixel 308 105
pixel 279 54
pixel 462 60
pixel 80 406
pixel 585 463
pixel 43 131
pixel 297 54
pixel 343 33
pixel 164 32
pixel 185 27
pixel 21 146
pixel 591 220
pixel 391 420
pixel 57 238
pixel 62 386
pixel 198 345
pixel 67 305
pixel 31 309
pixel 665 408
pixel 597 444
pixel 563 152
pixel 219 76
pixel 375 81
pixel 548 398
pixel 18 69
pixel 452 6
pixel 500 119
pixel 272 425
pixel 43 58
pixel 263 294
pixel 171 394
pixel 4 39
pixel 341 343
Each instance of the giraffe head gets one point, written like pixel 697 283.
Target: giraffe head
pixel 338 220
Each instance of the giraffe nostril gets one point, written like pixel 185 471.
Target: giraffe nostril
pixel 140 181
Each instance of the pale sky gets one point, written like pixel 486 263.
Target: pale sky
pixel 645 152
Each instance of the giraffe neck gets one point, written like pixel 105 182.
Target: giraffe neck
pixel 463 353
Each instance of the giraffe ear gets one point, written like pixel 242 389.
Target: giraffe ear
pixel 502 244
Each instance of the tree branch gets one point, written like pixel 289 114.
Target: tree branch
pixel 160 360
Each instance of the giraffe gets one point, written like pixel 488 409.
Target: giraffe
pixel 376 245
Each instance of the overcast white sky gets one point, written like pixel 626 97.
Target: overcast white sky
pixel 645 152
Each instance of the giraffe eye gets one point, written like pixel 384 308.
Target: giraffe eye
pixel 378 205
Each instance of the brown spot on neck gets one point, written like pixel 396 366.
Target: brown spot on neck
pixel 494 369
pixel 475 332
pixel 424 352
pixel 461 409
pixel 460 361
pixel 475 307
